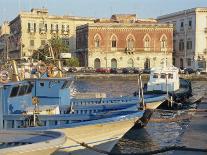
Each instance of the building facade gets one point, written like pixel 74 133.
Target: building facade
pixel 4 35
pixel 30 30
pixel 124 42
pixel 190 37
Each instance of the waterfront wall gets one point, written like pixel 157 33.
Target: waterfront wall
pixel 145 77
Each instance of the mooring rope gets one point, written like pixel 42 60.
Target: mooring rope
pixel 87 146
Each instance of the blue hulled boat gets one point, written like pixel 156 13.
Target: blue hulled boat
pixel 40 104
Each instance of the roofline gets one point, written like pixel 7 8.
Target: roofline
pixel 90 25
pixel 187 11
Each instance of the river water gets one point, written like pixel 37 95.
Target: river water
pixel 155 135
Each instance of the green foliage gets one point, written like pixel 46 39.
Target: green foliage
pixel 58 46
pixel 72 62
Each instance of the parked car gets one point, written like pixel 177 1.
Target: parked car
pixel 189 71
pixel 87 70
pixel 116 70
pixel 103 70
pixel 128 70
pixel 136 70
pixel 72 70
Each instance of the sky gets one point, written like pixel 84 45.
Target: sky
pixel 9 9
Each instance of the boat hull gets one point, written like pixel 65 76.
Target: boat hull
pixel 17 142
pixel 102 136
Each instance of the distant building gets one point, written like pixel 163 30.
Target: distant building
pixel 124 41
pixel 31 30
pixel 190 37
pixel 4 35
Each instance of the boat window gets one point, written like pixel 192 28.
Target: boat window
pixel 42 84
pixel 66 84
pixel 14 91
pixel 29 90
pixel 170 76
pixel 155 75
pixel 23 90
pixel 163 76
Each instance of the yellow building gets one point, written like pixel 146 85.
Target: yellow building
pixel 31 30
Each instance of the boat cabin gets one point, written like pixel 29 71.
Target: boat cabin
pixel 18 96
pixel 164 79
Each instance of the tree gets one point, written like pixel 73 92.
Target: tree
pixel 72 62
pixel 58 46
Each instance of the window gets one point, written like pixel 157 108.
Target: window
pixel 130 44
pixel 14 91
pixel 182 24
pixel 181 45
pixel 163 41
pixel 189 44
pixel 22 90
pixel 146 41
pixel 97 43
pixel 43 42
pixel 113 43
pixel 32 43
pixel 170 76
pixel 54 27
pixel 46 27
pixel 31 26
pixel 190 23
pixel 163 76
pixel 29 90
pixel 97 39
pixel 189 61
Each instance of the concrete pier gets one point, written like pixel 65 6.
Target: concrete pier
pixel 1 109
pixel 196 135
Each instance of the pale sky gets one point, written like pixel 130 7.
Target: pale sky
pixel 98 8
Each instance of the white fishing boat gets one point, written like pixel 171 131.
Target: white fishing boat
pixel 14 142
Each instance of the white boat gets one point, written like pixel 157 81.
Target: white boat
pixel 13 142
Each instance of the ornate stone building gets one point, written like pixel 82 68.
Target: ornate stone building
pixel 190 37
pixel 124 41
pixel 30 30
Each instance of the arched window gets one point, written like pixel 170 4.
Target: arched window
pixel 113 63
pixel 146 41
pixel 130 62
pixel 97 39
pixel 113 41
pixel 130 42
pixel 97 63
pixel 163 41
